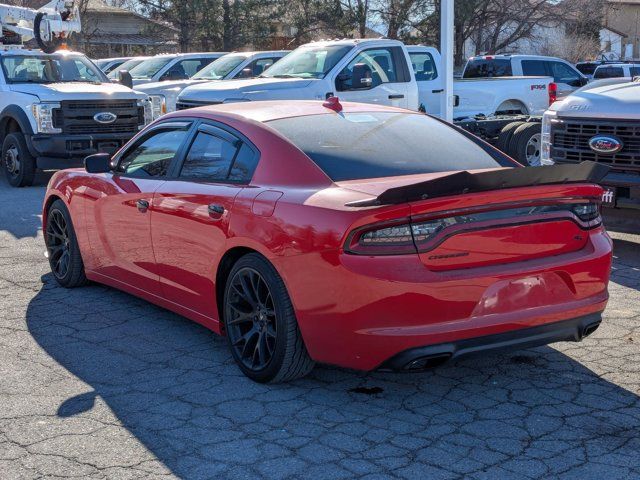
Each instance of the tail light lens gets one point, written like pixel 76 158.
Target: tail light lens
pixel 408 237
pixel 553 93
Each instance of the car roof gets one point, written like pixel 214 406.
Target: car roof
pixel 275 110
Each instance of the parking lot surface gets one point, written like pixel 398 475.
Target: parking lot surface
pixel 97 383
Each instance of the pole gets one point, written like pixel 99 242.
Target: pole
pixel 446 50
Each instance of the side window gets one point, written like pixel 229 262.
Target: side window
pixel 209 158
pixel 534 68
pixel 561 73
pixel 369 69
pixel 244 165
pixel 635 71
pixel 153 155
pixel 608 72
pixel 423 65
pixel 194 65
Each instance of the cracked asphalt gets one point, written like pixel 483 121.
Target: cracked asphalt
pixel 96 383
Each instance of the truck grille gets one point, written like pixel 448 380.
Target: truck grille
pixel 76 117
pixel 570 142
pixel 186 104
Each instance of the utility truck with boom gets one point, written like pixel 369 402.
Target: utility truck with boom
pixel 56 106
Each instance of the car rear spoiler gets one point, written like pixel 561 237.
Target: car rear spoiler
pixel 466 182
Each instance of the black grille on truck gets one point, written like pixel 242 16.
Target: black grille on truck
pixel 76 117
pixel 186 104
pixel 570 142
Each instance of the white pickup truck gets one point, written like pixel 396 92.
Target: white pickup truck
pixel 55 109
pixel 601 124
pixel 375 71
pixel 232 65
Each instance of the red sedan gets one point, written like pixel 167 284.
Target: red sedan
pixel 355 235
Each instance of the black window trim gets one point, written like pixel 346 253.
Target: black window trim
pixel 218 129
pixel 170 124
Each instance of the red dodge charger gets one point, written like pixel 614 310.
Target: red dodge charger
pixel 355 235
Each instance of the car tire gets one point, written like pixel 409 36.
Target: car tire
pixel 525 144
pixel 63 250
pixel 259 317
pixel 504 137
pixel 18 164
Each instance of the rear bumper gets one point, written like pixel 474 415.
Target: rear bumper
pixel 68 151
pixel 359 312
pixel 422 358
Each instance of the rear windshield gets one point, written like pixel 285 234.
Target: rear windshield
pixel 586 68
pixel 483 68
pixel 355 146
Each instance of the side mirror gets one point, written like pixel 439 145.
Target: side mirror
pixel 98 163
pixel 361 76
pixel 584 81
pixel 125 78
pixel 246 73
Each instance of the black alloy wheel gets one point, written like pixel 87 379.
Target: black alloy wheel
pixel 251 319
pixel 58 244
pixel 261 325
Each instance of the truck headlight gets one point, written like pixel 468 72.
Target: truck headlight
pixel 43 115
pixel 545 147
pixel 148 112
pixel 158 106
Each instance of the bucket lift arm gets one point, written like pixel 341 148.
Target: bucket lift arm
pixel 49 25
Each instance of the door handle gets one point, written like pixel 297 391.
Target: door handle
pixel 438 91
pixel 216 211
pixel 142 205
pixel 396 97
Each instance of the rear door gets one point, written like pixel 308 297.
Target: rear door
pixel 425 62
pixel 376 75
pixel 191 214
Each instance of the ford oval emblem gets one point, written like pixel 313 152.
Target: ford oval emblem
pixel 605 144
pixel 105 117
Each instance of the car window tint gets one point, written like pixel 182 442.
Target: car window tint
pixel 534 68
pixel 379 64
pixel 152 157
pixel 561 73
pixel 635 71
pixel 353 146
pixel 482 68
pixel 209 158
pixel 244 165
pixel 608 72
pixel 423 65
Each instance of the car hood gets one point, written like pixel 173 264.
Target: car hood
pixel 161 87
pixel 55 92
pixel 219 91
pixel 619 100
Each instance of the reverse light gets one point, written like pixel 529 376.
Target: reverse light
pixel 43 115
pixel 587 212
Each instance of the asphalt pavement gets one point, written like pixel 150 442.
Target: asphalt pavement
pixel 96 383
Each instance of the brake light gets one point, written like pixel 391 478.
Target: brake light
pixel 414 236
pixel 553 93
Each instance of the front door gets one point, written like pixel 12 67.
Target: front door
pixel 376 75
pixel 121 232
pixel 191 216
pixel 430 83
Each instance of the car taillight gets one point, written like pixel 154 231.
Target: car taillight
pixel 407 237
pixel 553 93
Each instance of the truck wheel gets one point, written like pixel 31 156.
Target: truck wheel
pixel 18 164
pixel 526 143
pixel 504 137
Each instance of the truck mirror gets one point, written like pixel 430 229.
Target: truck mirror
pixel 361 76
pixel 246 73
pixel 98 163
pixel 125 78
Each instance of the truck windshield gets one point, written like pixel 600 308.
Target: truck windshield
pixel 352 146
pixel 488 67
pixel 128 65
pixel 308 62
pixel 50 69
pixel 150 67
pixel 220 68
